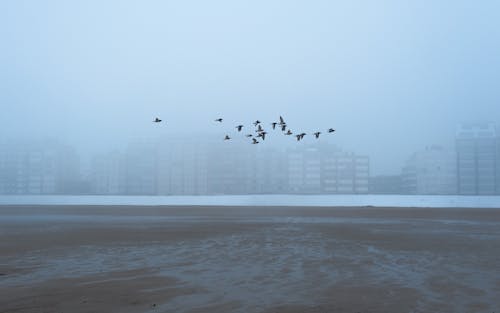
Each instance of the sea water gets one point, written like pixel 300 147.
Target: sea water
pixel 264 200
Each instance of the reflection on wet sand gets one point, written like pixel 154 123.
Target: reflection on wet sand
pixel 213 259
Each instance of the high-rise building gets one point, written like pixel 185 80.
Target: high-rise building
pixel 107 174
pixel 498 165
pixel 327 169
pixel 386 184
pixel 231 168
pixel 270 169
pixel 38 167
pixel 304 170
pixel 182 167
pixel 431 171
pixel 141 168
pixel 189 166
pixel 477 156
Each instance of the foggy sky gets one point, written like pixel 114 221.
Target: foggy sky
pixel 390 76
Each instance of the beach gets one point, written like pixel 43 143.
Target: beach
pixel 77 258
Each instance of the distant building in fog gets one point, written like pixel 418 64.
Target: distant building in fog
pixel 182 167
pixel 386 184
pixel 141 168
pixel 328 170
pixel 107 174
pixel 46 167
pixel 498 166
pixel 477 157
pixel 304 170
pixel 430 172
pixel 270 171
pixel 231 168
pixel 190 166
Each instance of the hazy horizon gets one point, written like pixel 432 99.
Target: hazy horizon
pixel 392 77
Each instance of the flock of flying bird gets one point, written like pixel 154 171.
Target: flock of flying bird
pixel 261 133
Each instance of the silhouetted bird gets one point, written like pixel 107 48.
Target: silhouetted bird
pixel 302 135
pixel 262 135
pixel 227 137
pixel 249 135
pixel 331 130
pixel 254 141
pixel 259 129
pixel 219 120
pixel 317 134
pixel 298 137
pixel 282 121
pixel 257 122
pixel 288 133
pixel 157 120
pixel 274 125
pixel 239 127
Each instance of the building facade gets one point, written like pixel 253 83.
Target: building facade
pixel 325 169
pixel 107 174
pixel 386 184
pixel 182 167
pixel 39 167
pixel 430 172
pixel 477 157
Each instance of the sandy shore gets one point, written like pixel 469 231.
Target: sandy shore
pixel 243 259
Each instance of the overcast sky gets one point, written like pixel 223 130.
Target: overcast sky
pixel 390 76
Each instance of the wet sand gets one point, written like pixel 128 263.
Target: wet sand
pixel 244 259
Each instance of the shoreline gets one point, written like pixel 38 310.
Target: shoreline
pixel 477 214
pixel 442 201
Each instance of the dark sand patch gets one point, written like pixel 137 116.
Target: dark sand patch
pixel 345 299
pixel 129 291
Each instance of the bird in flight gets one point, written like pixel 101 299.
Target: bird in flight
pixel 262 135
pixel 156 120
